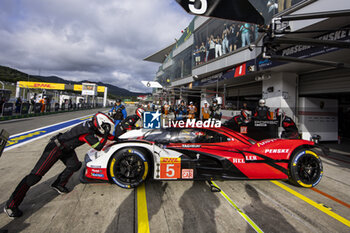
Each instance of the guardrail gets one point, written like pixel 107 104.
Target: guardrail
pixel 9 111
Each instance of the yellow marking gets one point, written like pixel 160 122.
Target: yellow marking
pixel 16 139
pixel 170 160
pixel 314 204
pixel 142 213
pixel 146 171
pixel 85 118
pixel 246 217
pixel 111 167
pixel 311 152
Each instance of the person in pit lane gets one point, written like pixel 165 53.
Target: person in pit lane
pixel 118 112
pixel 215 111
pixel 243 119
pixel 181 111
pixel 61 147
pixel 262 112
pixel 289 126
pixel 128 123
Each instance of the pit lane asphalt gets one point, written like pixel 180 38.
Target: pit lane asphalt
pixel 25 124
pixel 172 206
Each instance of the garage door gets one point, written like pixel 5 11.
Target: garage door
pixel 245 90
pixel 321 83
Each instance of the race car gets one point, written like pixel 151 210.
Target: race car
pixel 202 154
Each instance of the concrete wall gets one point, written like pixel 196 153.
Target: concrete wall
pixel 284 92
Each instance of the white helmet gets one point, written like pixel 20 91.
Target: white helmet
pixel 101 120
pixel 262 103
pixel 139 112
pixel 165 103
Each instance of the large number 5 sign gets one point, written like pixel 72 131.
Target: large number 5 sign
pixel 170 168
pixel 199 11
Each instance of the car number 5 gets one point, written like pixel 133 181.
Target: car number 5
pixel 170 172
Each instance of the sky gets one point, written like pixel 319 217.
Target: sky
pixel 95 40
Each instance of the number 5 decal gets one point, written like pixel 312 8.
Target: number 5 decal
pixel 200 11
pixel 170 168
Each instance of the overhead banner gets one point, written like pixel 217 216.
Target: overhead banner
pixel 41 85
pixel 237 10
pixel 89 89
pixel 78 87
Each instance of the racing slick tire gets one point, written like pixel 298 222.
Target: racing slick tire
pixel 129 167
pixel 305 168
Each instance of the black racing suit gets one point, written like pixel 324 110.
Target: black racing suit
pixel 262 113
pixel 290 129
pixel 61 147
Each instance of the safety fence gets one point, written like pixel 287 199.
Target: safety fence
pixel 11 111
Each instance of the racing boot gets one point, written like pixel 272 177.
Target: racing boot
pixel 12 213
pixel 59 188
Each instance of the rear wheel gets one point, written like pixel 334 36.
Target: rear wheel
pixel 128 167
pixel 305 169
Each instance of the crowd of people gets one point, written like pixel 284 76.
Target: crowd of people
pixel 227 40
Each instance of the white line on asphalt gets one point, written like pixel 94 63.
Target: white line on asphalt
pixel 45 135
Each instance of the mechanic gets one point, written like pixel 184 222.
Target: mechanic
pixel 118 112
pixel 289 126
pixel 166 109
pixel 243 119
pixel 192 110
pixel 205 112
pixel 181 111
pixel 262 112
pixel 129 123
pixel 215 110
pixel 61 147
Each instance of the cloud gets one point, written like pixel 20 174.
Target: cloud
pixel 95 40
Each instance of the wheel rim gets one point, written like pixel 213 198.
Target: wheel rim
pixel 308 169
pixel 129 168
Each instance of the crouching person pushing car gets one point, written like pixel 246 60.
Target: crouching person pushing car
pixel 61 147
pixel 128 123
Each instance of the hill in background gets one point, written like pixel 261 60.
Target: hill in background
pixel 12 75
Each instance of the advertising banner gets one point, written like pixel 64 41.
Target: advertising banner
pixel 89 89
pixel 7 109
pixel 41 85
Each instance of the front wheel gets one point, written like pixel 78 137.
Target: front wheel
pixel 128 167
pixel 305 169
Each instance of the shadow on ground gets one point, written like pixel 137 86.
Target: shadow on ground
pixel 37 197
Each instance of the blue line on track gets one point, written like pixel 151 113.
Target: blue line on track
pixel 34 134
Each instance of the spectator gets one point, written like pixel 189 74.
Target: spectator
pixel 232 37
pixel 18 104
pixel 211 47
pixel 225 44
pixel 245 34
pixel 207 47
pixel 196 55
pixel 202 53
pixel 218 47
